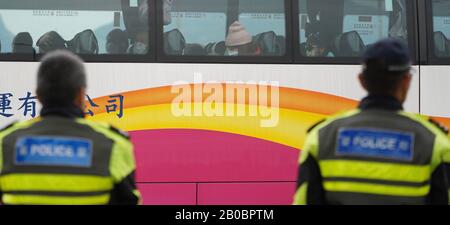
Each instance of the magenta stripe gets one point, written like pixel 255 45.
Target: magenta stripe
pixel 184 155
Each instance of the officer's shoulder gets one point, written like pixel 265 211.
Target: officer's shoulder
pixel 19 125
pixel 332 118
pixel 315 125
pixel 9 126
pixel 426 119
pixel 120 132
pixel 439 125
pixel 106 128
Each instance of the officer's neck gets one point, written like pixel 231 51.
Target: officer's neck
pixel 68 111
pixel 379 101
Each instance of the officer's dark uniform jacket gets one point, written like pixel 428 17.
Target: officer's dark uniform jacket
pixel 376 154
pixel 62 158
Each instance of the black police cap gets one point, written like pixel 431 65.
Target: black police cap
pixel 388 55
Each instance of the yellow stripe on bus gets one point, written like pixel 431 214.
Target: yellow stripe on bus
pixel 290 130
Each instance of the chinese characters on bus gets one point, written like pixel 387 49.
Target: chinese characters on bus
pixel 28 103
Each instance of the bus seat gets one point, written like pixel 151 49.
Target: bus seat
pixel 267 41
pixel 23 43
pixel 348 44
pixel 271 44
pixel 194 50
pixel 441 45
pixel 84 42
pixel 216 48
pixel 281 43
pixel 50 41
pixel 174 42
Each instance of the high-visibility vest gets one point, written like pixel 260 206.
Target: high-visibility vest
pixel 374 157
pixel 57 160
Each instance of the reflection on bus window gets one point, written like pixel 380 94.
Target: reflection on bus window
pixel 211 28
pixel 97 27
pixel 441 28
pixel 344 28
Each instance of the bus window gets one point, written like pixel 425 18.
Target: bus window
pixel 214 28
pixel 266 21
pixel 344 28
pixel 441 28
pixel 84 27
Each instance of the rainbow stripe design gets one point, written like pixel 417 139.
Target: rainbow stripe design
pixel 218 160
pixel 150 109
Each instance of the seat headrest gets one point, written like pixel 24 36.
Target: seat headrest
pixel 194 50
pixel 281 45
pixel 50 41
pixel 84 42
pixel 268 42
pixel 23 43
pixel 216 48
pixel 271 44
pixel 441 45
pixel 174 42
pixel 348 44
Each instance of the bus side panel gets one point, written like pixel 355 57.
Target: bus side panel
pixel 235 152
pixel 434 92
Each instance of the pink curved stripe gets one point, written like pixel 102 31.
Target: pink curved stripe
pixel 184 155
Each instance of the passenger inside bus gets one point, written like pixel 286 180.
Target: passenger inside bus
pixel 117 42
pixel 136 23
pixel 254 32
pixel 344 28
pixel 441 28
pixel 239 42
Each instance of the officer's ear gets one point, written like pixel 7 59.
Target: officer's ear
pixel 406 82
pixel 362 81
pixel 80 99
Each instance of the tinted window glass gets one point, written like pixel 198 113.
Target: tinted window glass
pixel 344 28
pixel 84 26
pixel 217 28
pixel 441 28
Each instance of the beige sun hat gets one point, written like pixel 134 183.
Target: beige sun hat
pixel 237 35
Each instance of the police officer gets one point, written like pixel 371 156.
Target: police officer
pixel 376 154
pixel 61 158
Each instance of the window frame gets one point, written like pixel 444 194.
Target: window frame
pixel 104 58
pixel 411 7
pixel 164 58
pixel 432 59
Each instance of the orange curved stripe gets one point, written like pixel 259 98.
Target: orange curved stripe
pixel 290 98
pixel 444 121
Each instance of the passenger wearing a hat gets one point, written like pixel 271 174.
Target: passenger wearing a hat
pixel 378 153
pixel 239 42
